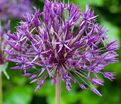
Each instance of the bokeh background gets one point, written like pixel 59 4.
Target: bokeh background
pixel 18 90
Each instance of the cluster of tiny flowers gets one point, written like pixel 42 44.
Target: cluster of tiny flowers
pixel 1 42
pixel 14 8
pixel 62 40
pixel 3 46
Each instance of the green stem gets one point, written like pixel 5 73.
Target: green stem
pixel 1 88
pixel 58 89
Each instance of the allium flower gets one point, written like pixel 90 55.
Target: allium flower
pixel 3 46
pixel 62 41
pixel 14 8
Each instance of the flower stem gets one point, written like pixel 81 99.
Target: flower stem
pixel 58 89
pixel 1 88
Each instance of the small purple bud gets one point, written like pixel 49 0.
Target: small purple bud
pixel 68 88
pixel 40 85
pixel 96 81
pixel 17 68
pixel 108 75
pixel 53 81
pixel 112 46
pixel 82 86
pixel 26 74
pixel 100 67
pixel 96 91
pixel 33 76
pixel 34 80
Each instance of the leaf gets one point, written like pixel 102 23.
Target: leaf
pixel 3 69
pixel 18 95
pixel 82 3
pixel 113 31
pixel 6 74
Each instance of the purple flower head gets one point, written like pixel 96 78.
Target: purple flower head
pixel 3 46
pixel 64 41
pixel 14 8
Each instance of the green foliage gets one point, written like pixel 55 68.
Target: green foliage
pixel 18 95
pixel 3 70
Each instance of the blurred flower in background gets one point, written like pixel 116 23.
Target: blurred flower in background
pixel 14 8
pixel 10 9
pixel 3 46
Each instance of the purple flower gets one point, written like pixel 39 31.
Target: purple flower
pixel 64 41
pixel 112 46
pixel 2 45
pixel 108 75
pixel 14 8
pixel 96 81
pixel 3 55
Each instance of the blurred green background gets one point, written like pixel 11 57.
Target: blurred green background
pixel 18 90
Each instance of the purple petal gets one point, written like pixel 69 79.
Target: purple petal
pixel 96 91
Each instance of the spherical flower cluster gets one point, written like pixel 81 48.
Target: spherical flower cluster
pixel 3 45
pixel 64 41
pixel 1 48
pixel 14 8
